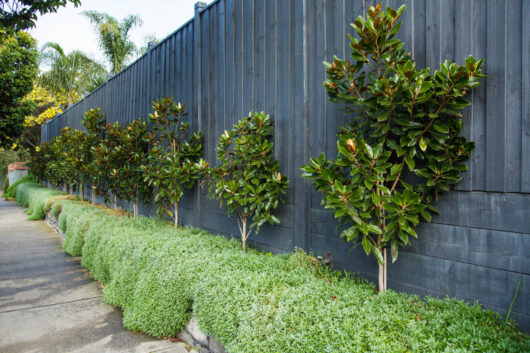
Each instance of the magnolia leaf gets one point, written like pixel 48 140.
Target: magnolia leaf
pixel 423 144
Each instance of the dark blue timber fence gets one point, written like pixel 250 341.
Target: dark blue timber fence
pixel 237 56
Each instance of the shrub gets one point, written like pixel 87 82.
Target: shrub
pixel 38 199
pixel 12 189
pixel 254 302
pixel 75 224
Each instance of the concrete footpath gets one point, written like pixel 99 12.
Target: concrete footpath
pixel 49 303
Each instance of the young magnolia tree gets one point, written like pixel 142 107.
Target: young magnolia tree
pixel 133 152
pixel 62 164
pixel 94 123
pixel 52 169
pixel 175 151
pixel 248 180
pixel 108 158
pixel 407 122
pixel 77 159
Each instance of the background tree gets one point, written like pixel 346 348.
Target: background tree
pixel 38 162
pixel 407 122
pixel 248 180
pixel 18 69
pixel 150 38
pixel 8 156
pixel 172 160
pixel 72 74
pixel 17 15
pixel 47 105
pixel 114 38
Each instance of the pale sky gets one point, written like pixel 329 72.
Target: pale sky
pixel 72 30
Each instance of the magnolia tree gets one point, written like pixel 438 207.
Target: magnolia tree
pixel 108 160
pixel 61 165
pixel 171 166
pixel 77 159
pixel 94 123
pixel 407 124
pixel 133 152
pixel 248 180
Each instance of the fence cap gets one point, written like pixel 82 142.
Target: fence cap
pixel 17 166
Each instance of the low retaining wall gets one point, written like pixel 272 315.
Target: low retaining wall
pixel 191 334
pixel 16 171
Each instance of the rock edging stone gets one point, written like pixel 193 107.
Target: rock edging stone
pixel 194 337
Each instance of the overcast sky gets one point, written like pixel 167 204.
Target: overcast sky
pixel 72 30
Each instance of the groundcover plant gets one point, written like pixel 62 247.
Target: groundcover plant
pixel 256 302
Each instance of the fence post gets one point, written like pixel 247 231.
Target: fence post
pixel 302 188
pixel 149 90
pixel 197 52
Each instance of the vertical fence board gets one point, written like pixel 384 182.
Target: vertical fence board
pixel 513 94
pixel 259 57
pixel 478 103
pixel 248 55
pixel 525 138
pixel 230 84
pixel 495 85
pixel 463 48
pixel 238 61
pixel 221 65
pixel 432 34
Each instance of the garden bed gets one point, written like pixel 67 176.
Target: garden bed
pixel 252 301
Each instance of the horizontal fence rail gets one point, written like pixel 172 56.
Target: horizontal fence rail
pixel 237 56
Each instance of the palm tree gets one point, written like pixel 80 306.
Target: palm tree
pixel 73 74
pixel 114 37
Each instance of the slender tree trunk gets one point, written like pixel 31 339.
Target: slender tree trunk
pixel 244 235
pixel 381 279
pixel 115 202
pixel 386 263
pixel 64 188
pixel 135 205
pixel 71 189
pixel 81 192
pixel 93 195
pixel 176 214
pixel 382 268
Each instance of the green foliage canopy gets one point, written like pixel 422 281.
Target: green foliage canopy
pixel 114 37
pixel 18 15
pixel 73 74
pixel 18 69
